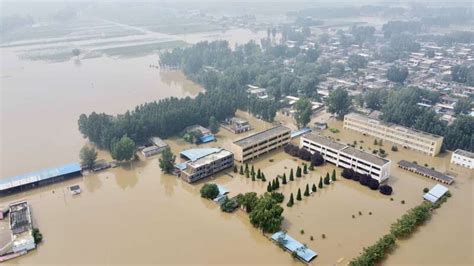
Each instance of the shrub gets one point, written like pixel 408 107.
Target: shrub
pixel 304 154
pixel 371 255
pixel 229 205
pixel 298 195
pixel 356 177
pixel 302 231
pixel 327 179
pixel 317 159
pixel 235 169
pixel 323 236
pixel 373 184
pixel 426 190
pixel 298 171
pixel 311 238
pixel 291 149
pixel 313 188
pixel 306 191
pixel 386 190
pixel 291 201
pixel 364 180
pixel 278 197
pixel 269 187
pixel 403 202
pixel 394 148
pixel 37 236
pixel 209 191
pixel 348 173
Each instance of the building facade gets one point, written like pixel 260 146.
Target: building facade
pixel 262 142
pixel 347 157
pixel 463 158
pixel 209 164
pixel 423 142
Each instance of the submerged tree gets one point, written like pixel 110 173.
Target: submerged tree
pixel 333 176
pixel 306 191
pixel 167 160
pixel 124 149
pixel 266 214
pixel 88 156
pixel 291 201
pixel 213 125
pixel 209 191
pixel 298 195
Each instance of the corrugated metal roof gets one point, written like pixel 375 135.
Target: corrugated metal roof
pixel 15 181
pixel 291 244
pixel 300 132
pixel 207 138
pixel 435 193
pixel 194 154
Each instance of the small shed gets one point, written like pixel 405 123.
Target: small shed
pixel 222 193
pixel 290 244
pixel 435 193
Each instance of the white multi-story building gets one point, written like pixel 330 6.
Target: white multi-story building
pixel 406 137
pixel 463 158
pixel 347 157
pixel 204 162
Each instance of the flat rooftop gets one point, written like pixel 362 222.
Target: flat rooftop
pixel 324 141
pixel 365 156
pixel 261 136
pixel 158 142
pixel 15 181
pixel 20 219
pixel 346 149
pixel 425 170
pixel 400 128
pixel 464 153
pixel 222 153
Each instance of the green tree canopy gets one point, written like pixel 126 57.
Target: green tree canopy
pixel 267 214
pixel 124 149
pixel 339 102
pixel 213 125
pixel 167 160
pixel 88 156
pixel 303 112
pixel 209 191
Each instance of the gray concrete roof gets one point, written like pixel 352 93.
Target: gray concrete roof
pixel 346 149
pixel 261 136
pixel 325 141
pixel 464 153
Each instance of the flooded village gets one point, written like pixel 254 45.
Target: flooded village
pixel 134 213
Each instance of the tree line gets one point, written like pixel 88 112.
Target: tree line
pixel 162 118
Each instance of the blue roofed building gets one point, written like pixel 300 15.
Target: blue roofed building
pixel 303 252
pixel 33 179
pixel 203 162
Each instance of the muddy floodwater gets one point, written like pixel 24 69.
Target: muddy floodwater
pixel 134 214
